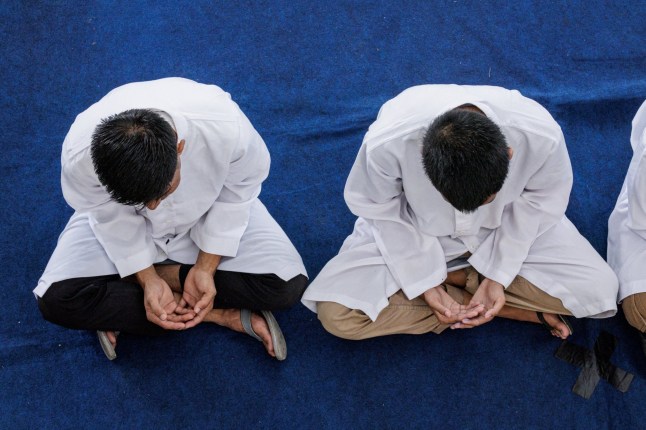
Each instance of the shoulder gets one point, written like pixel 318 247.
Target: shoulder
pixel 410 113
pixel 523 117
pixel 638 132
pixel 416 107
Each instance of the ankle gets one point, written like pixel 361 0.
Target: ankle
pixel 221 316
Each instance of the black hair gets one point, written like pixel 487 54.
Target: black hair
pixel 465 157
pixel 135 156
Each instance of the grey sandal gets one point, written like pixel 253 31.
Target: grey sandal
pixel 277 338
pixel 106 346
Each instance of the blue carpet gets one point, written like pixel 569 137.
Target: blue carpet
pixel 311 77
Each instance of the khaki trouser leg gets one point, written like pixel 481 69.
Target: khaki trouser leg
pixel 522 294
pixel 635 311
pixel 401 316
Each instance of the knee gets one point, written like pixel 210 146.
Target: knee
pixel 68 303
pixel 601 283
pixel 607 278
pixel 606 285
pixel 44 309
pixel 635 311
pixel 294 289
pixel 53 305
pixel 342 322
pixel 287 293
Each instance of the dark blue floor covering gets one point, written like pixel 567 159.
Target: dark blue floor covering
pixel 311 77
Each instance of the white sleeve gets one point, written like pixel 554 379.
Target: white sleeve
pixel 119 229
pixel 637 194
pixel 374 191
pixel 220 229
pixel 540 206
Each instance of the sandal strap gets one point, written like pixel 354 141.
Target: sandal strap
pixel 541 318
pixel 245 317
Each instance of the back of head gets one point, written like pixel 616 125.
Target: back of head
pixel 465 157
pixel 135 156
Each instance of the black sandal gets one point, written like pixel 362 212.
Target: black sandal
pixel 563 319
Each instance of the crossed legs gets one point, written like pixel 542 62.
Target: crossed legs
pixel 404 316
pixel 110 304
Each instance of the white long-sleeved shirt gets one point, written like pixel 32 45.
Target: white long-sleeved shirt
pixel 406 225
pixel 416 228
pixel 627 223
pixel 223 165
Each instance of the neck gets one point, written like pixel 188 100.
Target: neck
pixel 471 108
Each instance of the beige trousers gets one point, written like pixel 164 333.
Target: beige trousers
pixel 635 311
pixel 404 316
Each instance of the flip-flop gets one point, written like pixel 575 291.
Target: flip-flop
pixel 106 346
pixel 277 338
pixel 563 319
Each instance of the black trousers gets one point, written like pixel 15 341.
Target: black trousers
pixel 110 303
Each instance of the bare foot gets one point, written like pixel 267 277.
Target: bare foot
pixel 170 274
pixel 559 329
pixel 112 337
pixel 230 318
pixel 457 278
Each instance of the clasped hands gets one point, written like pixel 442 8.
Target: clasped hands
pixel 485 304
pixel 174 312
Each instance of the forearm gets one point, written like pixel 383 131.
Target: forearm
pixel 416 261
pixel 123 235
pixel 207 262
pixel 636 184
pixel 539 207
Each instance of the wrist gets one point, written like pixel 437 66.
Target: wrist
pixel 146 275
pixel 432 289
pixel 430 293
pixel 490 282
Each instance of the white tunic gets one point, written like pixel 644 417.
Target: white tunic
pixel 627 223
pixel 214 209
pixel 406 232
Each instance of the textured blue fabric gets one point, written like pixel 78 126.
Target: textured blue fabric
pixel 311 77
